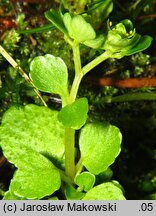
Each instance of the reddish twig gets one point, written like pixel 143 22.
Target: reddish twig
pixel 147 16
pixel 129 83
pixel 126 83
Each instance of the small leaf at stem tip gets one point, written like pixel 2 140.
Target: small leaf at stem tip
pixel 122 40
pixel 99 146
pixel 49 74
pixel 85 181
pixel 74 115
pixel 78 28
pixel 105 191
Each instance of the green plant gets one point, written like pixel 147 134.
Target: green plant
pixel 41 142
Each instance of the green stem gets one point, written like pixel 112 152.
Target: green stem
pixel 78 73
pixel 69 132
pixel 65 99
pixel 70 152
pixel 75 87
pixel 70 168
pixel 95 62
pixel 65 178
pixel 76 57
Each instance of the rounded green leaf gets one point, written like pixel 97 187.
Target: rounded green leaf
pixel 28 181
pixel 49 74
pixel 78 28
pixel 36 127
pixel 67 19
pixel 85 181
pixel 105 191
pixel 74 115
pixel 99 145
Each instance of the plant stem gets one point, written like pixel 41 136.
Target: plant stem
pixel 95 62
pixel 78 73
pixel 76 57
pixel 81 72
pixel 65 178
pixel 69 132
pixel 75 87
pixel 70 152
pixel 65 99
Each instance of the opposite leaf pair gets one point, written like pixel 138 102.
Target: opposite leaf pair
pixel 119 40
pixel 32 139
